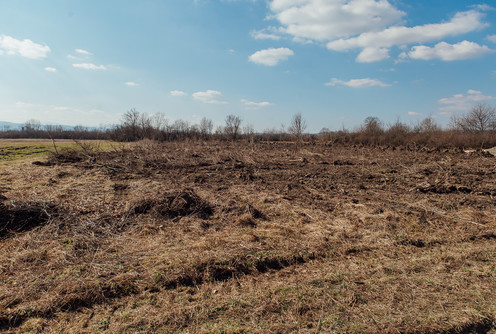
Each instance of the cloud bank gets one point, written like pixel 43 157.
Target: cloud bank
pixel 373 27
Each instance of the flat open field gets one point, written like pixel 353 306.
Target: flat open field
pixel 223 237
pixel 16 149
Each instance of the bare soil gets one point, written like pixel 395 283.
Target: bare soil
pixel 249 238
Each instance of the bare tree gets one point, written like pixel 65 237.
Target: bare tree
pixel 232 128
pixel 206 127
pixel 131 125
pixel 427 125
pixel 159 122
pixel 32 125
pixel 297 126
pixel 480 119
pixel 372 126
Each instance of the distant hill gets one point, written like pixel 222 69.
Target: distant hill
pixel 4 126
pixel 10 126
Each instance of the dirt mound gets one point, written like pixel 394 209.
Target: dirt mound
pixel 22 218
pixel 176 204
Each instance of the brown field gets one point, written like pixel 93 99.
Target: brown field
pixel 225 237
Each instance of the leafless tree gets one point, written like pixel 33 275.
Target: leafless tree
pixel 427 125
pixel 232 127
pixel 206 127
pixel 32 125
pixel 131 124
pixel 480 119
pixel 159 122
pixel 372 126
pixel 297 126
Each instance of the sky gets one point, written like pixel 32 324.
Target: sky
pixel 337 62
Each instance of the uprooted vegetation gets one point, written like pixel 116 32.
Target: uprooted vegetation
pixel 236 237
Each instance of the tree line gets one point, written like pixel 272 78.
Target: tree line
pixel 477 128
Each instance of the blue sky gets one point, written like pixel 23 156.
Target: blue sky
pixel 334 61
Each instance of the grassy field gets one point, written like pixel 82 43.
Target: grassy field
pixel 20 149
pixel 225 237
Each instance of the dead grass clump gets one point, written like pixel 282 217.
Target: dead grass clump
pixel 246 220
pixel 67 156
pixel 20 218
pixel 175 205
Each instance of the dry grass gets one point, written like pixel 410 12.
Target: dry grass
pixel 233 238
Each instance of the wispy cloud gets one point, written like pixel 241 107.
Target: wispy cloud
pixel 492 38
pixel 83 52
pixel 265 34
pixel 178 93
pixel 62 114
pixel 463 102
pixel 271 57
pixel 209 97
pixel 24 104
pixel 414 113
pixel 255 105
pixel 25 48
pixel 357 83
pixel 89 66
pixel 131 84
pixel 50 69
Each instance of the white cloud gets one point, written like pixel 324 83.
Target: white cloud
pixel 357 83
pixel 462 22
pixel 131 84
pixel 265 34
pixel 25 48
pixel 327 20
pixel 369 55
pixel 89 66
pixel 50 69
pixel 209 96
pixel 83 52
pixel 463 102
pixel 255 105
pixel 178 93
pixel 271 57
pixel 449 52
pixel 414 113
pixel 492 38
pixel 374 26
